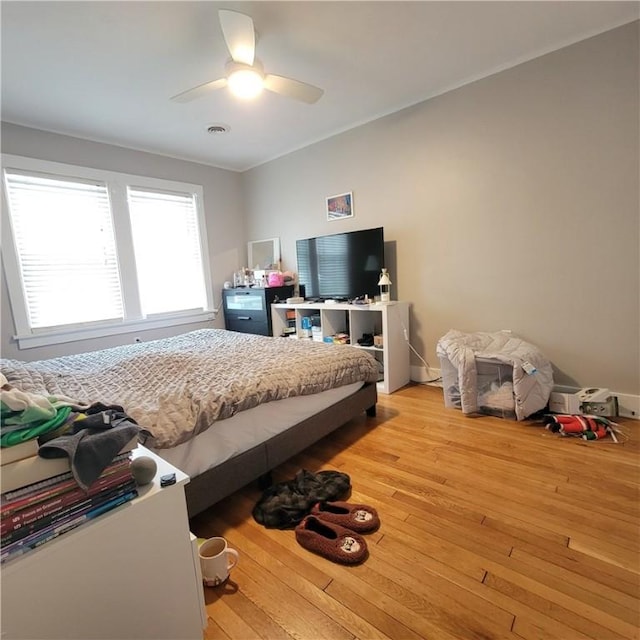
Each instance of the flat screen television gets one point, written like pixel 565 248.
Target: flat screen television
pixel 342 266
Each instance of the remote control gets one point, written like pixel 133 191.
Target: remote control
pixel 168 479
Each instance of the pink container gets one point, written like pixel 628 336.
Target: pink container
pixel 275 279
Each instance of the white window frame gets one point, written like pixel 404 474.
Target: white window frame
pixel 134 320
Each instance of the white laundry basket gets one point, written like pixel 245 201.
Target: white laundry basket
pixel 494 372
pixel 495 387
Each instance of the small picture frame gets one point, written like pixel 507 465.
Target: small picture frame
pixel 340 206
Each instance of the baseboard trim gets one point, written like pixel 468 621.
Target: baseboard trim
pixel 628 404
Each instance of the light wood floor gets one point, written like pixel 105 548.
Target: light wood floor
pixel 490 529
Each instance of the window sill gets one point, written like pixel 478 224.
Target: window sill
pixel 72 335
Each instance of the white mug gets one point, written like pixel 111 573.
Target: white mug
pixel 216 561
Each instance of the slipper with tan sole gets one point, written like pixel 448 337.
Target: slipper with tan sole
pixel 332 541
pixel 357 517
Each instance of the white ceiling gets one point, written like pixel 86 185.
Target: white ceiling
pixel 105 71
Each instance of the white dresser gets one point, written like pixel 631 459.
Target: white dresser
pixel 130 573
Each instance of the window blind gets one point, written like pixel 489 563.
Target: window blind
pixel 66 249
pixel 333 264
pixel 166 243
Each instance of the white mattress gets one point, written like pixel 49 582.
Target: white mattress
pixel 230 437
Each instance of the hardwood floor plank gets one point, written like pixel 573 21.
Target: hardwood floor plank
pixel 591 568
pixel 518 531
pixel 445 551
pixel 529 629
pixel 258 621
pixel 497 468
pixel 545 587
pixel 438 590
pixel 229 620
pixel 416 620
pixel 618 554
pixel 614 486
pixel 295 573
pixel 215 632
pixel 424 604
pixel 476 586
pixel 614 602
pixel 621 506
pixel 342 575
pixel 431 504
pixel 547 606
pixel 453 498
pixel 279 600
pixel 474 539
pixel 430 559
pixel 272 556
pixel 490 528
pixel 582 517
pixel 370 607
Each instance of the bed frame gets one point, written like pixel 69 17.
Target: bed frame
pixel 221 481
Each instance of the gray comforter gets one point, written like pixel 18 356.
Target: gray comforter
pixel 178 387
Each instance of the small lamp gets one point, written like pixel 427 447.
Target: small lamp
pixel 385 286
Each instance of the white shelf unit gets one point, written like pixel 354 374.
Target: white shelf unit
pixel 133 572
pixel 391 320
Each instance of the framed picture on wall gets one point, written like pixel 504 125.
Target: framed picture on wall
pixel 340 206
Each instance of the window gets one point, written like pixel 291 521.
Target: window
pixel 93 253
pixel 64 242
pixel 166 243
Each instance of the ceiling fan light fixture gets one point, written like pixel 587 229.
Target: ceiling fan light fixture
pixel 244 73
pixel 245 81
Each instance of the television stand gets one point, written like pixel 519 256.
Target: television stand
pixel 390 320
pixel 327 300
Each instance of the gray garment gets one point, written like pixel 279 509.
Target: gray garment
pixel 93 443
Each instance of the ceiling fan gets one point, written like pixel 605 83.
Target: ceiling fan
pixel 245 75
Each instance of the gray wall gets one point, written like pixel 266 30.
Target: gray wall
pixel 511 203
pixel 223 211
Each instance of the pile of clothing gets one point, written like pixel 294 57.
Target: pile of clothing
pixel 90 435
pixel 285 504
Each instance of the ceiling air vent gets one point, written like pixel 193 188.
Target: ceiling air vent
pixel 217 129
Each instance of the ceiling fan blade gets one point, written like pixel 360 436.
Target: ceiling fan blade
pixel 239 34
pixel 293 88
pixel 200 90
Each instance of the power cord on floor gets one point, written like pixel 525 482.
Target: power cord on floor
pixel 424 362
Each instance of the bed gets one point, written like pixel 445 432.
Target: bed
pixel 224 407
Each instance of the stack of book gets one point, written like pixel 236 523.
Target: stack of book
pixel 40 499
pixel 290 329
